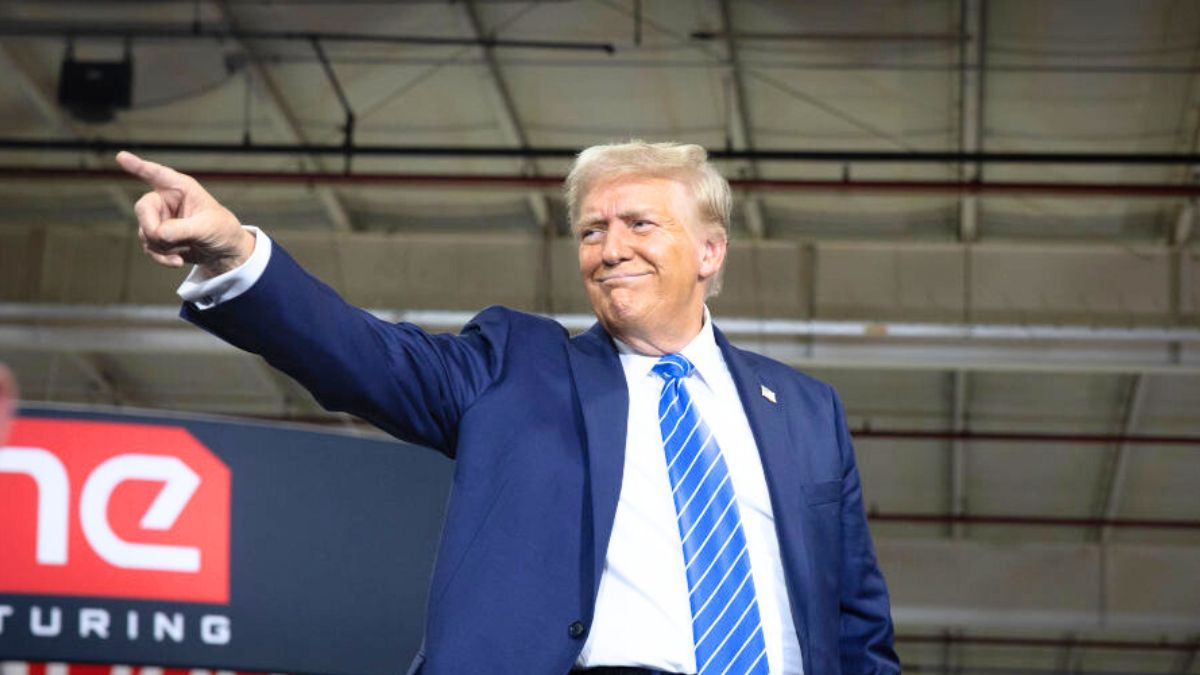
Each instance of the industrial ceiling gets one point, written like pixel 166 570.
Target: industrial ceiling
pixel 975 219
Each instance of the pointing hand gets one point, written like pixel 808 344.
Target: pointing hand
pixel 178 221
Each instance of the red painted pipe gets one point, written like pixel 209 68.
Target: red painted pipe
pixel 1141 646
pixel 505 181
pixel 1032 521
pixel 1027 437
pixel 917 435
pixel 965 519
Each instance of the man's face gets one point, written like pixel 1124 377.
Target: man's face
pixel 645 256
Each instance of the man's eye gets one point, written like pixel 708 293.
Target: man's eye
pixel 642 224
pixel 589 234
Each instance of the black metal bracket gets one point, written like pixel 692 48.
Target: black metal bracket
pixel 348 129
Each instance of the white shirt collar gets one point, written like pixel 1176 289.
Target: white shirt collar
pixel 702 351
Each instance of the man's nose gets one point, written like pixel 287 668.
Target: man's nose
pixel 616 244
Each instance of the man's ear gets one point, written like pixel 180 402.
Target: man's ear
pixel 712 253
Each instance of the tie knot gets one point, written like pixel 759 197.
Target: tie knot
pixel 673 367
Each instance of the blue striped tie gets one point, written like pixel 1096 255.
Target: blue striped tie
pixel 726 627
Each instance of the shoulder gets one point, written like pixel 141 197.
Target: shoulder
pixel 499 316
pixel 511 328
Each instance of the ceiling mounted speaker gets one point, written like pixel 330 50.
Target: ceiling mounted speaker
pixel 94 90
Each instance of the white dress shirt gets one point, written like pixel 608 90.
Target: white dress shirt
pixel 642 613
pixel 643 617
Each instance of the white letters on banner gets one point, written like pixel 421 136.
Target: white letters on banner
pixel 54 495
pixel 48 473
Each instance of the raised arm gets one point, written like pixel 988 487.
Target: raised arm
pixel 411 384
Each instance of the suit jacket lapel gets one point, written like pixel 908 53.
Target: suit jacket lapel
pixel 604 403
pixel 779 452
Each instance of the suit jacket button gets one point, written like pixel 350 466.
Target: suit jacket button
pixel 576 629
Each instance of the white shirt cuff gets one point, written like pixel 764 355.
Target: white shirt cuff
pixel 206 293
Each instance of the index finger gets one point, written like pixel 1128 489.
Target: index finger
pixel 156 175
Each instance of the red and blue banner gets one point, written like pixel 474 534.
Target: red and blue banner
pixel 191 543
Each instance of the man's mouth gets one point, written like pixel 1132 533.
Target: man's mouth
pixel 621 277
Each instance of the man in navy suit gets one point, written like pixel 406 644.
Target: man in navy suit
pixel 576 538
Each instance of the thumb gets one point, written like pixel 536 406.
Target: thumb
pixel 175 232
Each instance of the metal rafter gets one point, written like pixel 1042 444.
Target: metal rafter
pixel 1188 658
pixel 102 378
pixel 1069 654
pixel 1113 479
pixel 1185 219
pixel 286 122
pixel 972 62
pixel 840 157
pixel 740 130
pixel 958 452
pixel 844 345
pixel 197 30
pixel 494 181
pixel 514 133
pixel 1185 224
pixel 506 110
pixel 272 381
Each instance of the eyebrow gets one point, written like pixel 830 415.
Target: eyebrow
pixel 633 214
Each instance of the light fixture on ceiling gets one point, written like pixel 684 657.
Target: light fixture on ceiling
pixel 93 90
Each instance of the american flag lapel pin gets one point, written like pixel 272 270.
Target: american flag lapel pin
pixel 767 393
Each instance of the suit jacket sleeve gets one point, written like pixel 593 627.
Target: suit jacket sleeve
pixel 410 383
pixel 866 621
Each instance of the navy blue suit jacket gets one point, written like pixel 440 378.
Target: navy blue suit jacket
pixel 535 420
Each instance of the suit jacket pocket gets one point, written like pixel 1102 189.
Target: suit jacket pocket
pixel 822 492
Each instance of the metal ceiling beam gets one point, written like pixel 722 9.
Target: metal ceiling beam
pixel 1069 655
pixel 994 335
pixel 506 111
pixel 1041 588
pixel 740 129
pixel 958 451
pixel 271 379
pixel 814 36
pixel 1185 220
pixel 1033 521
pixel 1024 642
pixel 1022 437
pixel 864 353
pixel 1185 224
pixel 523 182
pixel 514 132
pixel 1113 478
pixel 971 78
pixel 560 152
pixel 950 654
pixel 937 669
pixel 760 65
pixel 1025 437
pixel 1186 660
pixel 197 31
pixel 100 377
pixel 286 122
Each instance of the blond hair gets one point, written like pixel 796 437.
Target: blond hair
pixel 685 163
